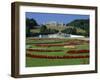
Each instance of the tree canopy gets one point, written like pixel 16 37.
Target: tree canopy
pixel 44 29
pixel 82 24
pixel 31 23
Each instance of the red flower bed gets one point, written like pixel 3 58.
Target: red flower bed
pixel 49 45
pixel 42 50
pixel 77 51
pixel 55 57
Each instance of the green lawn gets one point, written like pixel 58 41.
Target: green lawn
pixel 33 62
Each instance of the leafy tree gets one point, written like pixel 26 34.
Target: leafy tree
pixel 82 24
pixel 74 31
pixel 31 23
pixel 67 31
pixel 27 32
pixel 53 31
pixel 46 30
pixel 43 29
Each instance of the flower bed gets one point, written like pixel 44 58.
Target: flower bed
pixel 49 45
pixel 43 50
pixel 55 57
pixel 77 51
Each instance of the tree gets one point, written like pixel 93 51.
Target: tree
pixel 82 24
pixel 27 32
pixel 31 23
pixel 67 31
pixel 43 29
pixel 46 30
pixel 74 31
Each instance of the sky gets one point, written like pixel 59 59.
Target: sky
pixel 42 18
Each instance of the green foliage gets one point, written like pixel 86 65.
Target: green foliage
pixel 31 23
pixel 27 32
pixel 44 29
pixel 69 31
pixel 81 24
pixel 52 31
pixel 74 31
